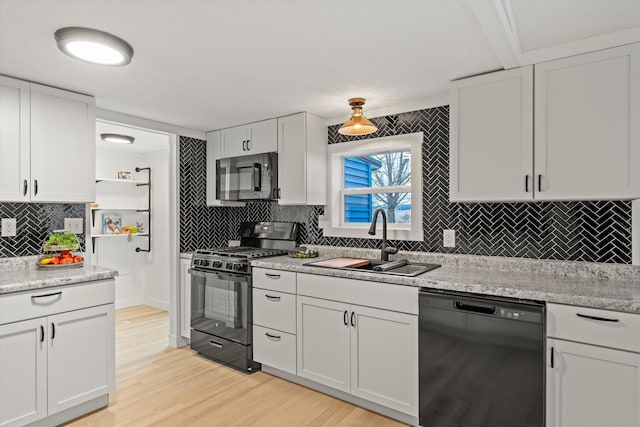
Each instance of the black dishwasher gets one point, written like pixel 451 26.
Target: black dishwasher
pixel 481 361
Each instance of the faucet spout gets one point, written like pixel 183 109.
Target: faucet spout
pixel 384 251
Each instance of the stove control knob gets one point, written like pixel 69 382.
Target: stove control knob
pixel 216 264
pixel 238 267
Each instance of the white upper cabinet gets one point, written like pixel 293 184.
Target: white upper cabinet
pixel 582 141
pixel 491 128
pixel 47 144
pixel 587 129
pixel 302 160
pixel 213 154
pixel 253 138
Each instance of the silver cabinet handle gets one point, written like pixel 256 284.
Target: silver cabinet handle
pixel 273 337
pixel 272 276
pixel 215 344
pixel 601 319
pixel 272 298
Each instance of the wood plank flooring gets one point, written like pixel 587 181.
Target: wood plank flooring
pixel 157 385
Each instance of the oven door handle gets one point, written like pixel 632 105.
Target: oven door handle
pixel 221 276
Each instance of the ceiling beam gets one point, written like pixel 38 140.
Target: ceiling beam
pixel 496 21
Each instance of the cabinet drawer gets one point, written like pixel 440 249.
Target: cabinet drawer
pixel 44 302
pixel 276 280
pixel 274 310
pixel 600 327
pixel 274 348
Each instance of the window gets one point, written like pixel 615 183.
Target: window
pixel 376 173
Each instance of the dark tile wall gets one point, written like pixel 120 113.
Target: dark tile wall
pixel 583 231
pixel 34 222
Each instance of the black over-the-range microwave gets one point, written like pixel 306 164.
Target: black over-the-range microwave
pixel 253 177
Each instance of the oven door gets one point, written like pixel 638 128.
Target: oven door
pixel 220 305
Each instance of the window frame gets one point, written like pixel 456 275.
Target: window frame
pixel 335 225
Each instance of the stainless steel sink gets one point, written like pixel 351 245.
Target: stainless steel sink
pixel 387 268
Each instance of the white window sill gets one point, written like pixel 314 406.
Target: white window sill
pixel 362 233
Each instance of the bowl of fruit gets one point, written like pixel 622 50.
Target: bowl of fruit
pixel 60 250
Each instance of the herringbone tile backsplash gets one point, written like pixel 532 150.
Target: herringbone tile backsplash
pixel 34 222
pixel 580 231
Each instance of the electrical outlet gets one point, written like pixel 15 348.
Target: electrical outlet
pixel 73 225
pixel 320 222
pixel 449 238
pixel 234 243
pixel 8 227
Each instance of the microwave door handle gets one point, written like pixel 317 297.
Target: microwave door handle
pixel 257 177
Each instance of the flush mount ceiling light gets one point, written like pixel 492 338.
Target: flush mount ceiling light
pixel 94 46
pixel 358 124
pixel 117 138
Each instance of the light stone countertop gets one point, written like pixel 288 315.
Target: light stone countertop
pixel 603 286
pixel 20 274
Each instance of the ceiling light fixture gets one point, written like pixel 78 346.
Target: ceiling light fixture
pixel 94 46
pixel 358 124
pixel 117 138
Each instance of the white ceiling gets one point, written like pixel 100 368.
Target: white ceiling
pixel 145 141
pixel 205 65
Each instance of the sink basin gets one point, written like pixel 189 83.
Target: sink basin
pixel 408 270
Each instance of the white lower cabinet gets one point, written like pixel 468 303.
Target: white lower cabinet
pixel 591 386
pixel 23 372
pixel 185 296
pixel 80 362
pixel 274 319
pixel 367 352
pixel 60 359
pixel 588 384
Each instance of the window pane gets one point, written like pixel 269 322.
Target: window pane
pixel 360 207
pixel 378 170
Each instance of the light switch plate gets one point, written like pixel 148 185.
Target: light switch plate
pixel 234 243
pixel 449 238
pixel 8 227
pixel 74 225
pixel 320 222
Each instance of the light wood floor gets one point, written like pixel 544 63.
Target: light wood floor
pixel 157 385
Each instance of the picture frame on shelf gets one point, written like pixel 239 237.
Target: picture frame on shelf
pixel 111 223
pixel 124 175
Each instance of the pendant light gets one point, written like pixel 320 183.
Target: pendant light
pixel 117 138
pixel 94 46
pixel 358 124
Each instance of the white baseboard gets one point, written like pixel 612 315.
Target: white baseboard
pixel 154 302
pixel 129 302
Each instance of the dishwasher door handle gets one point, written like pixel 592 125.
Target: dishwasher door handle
pixel 476 308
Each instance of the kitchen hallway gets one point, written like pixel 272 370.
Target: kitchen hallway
pixel 157 385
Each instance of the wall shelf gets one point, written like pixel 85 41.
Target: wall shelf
pixel 137 183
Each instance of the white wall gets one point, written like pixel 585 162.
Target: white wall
pixel 157 265
pixel 144 278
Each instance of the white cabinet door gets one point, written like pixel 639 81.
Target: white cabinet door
pixel 23 364
pixel 302 160
pixel 384 358
pixel 262 137
pixel 587 131
pixel 81 356
pixel 62 146
pixel 591 386
pixel 14 140
pixel 323 342
pixel 185 298
pixel 292 165
pixel 213 154
pixel 491 127
pixel 233 142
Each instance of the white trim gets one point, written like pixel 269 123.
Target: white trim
pixel 333 211
pixel 438 100
pixel 635 232
pixel 376 190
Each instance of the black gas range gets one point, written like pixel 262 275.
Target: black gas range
pixel 221 292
